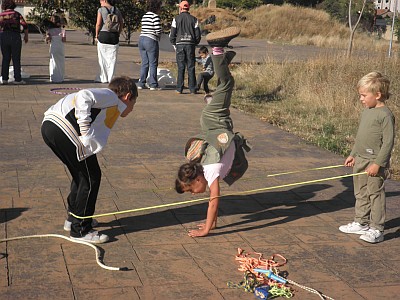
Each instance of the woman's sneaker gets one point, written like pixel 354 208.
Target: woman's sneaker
pixel 67 224
pixel 222 37
pixel 93 237
pixel 372 235
pixel 354 227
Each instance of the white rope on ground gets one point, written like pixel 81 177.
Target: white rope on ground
pixel 308 289
pixel 68 239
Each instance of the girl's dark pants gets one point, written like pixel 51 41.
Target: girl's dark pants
pixel 86 177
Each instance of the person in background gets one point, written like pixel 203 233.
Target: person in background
pixel 56 36
pixel 148 45
pixel 107 42
pixel 184 36
pixel 11 44
pixel 208 69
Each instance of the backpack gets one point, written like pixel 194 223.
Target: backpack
pixel 112 21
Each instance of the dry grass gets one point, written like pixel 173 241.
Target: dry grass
pixel 289 24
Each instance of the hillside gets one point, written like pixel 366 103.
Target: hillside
pixel 286 24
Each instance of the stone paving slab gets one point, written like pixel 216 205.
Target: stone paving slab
pixel 139 165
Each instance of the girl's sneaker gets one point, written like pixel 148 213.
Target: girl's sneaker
pixel 372 235
pixel 354 227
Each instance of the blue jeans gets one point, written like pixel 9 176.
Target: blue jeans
pixel 185 57
pixel 149 51
pixel 11 45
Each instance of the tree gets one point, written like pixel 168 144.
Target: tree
pixel 132 12
pixel 354 27
pixel 42 11
pixel 84 14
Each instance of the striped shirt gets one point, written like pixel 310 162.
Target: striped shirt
pixel 151 26
pixel 11 20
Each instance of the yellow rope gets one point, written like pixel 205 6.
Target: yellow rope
pixel 270 175
pixel 312 169
pixel 207 198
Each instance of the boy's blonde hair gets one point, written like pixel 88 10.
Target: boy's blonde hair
pixel 375 82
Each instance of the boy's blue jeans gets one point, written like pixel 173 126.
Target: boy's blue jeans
pixel 370 195
pixel 149 52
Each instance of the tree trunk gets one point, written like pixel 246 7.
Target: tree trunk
pixel 353 29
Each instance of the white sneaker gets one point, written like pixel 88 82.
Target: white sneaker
pixel 155 89
pixel 67 224
pixel 18 82
pixel 354 227
pixel 93 237
pixel 372 235
pixel 139 87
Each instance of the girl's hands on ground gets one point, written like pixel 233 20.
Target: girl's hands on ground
pixel 202 231
pixel 198 233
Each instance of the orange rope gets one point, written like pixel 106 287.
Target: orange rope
pixel 249 263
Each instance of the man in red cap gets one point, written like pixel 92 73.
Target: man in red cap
pixel 185 35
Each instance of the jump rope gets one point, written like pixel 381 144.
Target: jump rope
pixel 97 251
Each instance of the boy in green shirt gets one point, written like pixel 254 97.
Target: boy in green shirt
pixel 371 153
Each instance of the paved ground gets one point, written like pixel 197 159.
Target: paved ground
pixel 139 164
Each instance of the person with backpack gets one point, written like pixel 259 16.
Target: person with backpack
pixel 109 25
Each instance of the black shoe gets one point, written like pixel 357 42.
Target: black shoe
pixel 222 37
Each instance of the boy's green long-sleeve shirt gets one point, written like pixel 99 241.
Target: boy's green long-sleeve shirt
pixel 375 135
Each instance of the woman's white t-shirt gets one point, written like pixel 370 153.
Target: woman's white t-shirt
pixel 222 168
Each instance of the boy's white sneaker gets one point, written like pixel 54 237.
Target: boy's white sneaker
pixel 372 235
pixel 18 82
pixel 67 224
pixel 354 227
pixel 93 237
